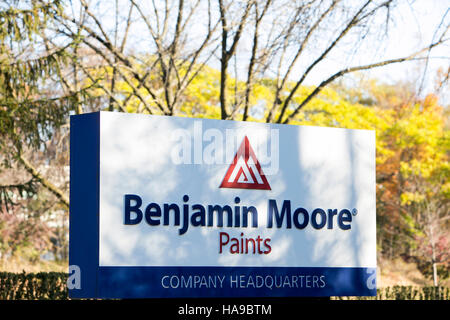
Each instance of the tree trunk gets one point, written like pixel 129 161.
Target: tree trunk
pixel 433 256
pixel 435 275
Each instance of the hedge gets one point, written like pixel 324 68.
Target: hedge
pixel 52 286
pixel 406 293
pixel 33 286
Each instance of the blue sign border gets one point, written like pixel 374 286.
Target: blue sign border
pixel 84 201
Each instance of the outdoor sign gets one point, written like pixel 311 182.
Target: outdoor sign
pixel 181 207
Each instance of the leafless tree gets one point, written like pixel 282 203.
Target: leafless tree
pixel 158 47
pixel 150 45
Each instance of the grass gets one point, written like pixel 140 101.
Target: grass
pixel 397 272
pixel 19 265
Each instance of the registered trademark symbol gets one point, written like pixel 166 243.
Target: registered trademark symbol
pixel 354 212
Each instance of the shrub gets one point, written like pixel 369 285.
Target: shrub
pixel 33 286
pixel 406 293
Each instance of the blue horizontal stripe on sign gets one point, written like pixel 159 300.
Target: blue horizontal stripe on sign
pixel 181 282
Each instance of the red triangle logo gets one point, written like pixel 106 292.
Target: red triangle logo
pixel 245 171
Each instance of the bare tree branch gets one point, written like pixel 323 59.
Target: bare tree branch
pixel 42 180
pixel 353 69
pixel 280 86
pixel 355 19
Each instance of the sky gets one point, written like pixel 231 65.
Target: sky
pixel 412 28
